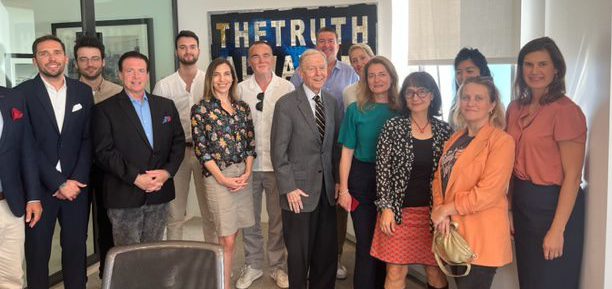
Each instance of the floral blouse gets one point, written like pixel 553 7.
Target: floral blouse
pixel 220 136
pixel 394 157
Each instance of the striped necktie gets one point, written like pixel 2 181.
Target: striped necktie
pixel 319 115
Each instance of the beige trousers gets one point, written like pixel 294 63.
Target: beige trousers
pixel 178 207
pixel 12 238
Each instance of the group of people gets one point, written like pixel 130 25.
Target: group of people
pixel 337 138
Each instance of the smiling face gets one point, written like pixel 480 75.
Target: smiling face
pixel 187 50
pixel 222 80
pixel 359 58
pixel 418 99
pixel 89 62
pixel 50 59
pixel 475 104
pixel 314 71
pixel 134 75
pixel 379 80
pixel 260 59
pixel 328 44
pixel 538 70
pixel 465 70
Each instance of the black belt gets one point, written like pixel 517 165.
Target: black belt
pixel 1 196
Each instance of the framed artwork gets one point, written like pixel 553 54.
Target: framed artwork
pixel 118 36
pixel 19 68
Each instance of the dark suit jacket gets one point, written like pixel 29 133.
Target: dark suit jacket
pixel 123 151
pixel 299 157
pixel 72 146
pixel 18 172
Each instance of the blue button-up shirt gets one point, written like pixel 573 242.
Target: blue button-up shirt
pixel 144 114
pixel 342 76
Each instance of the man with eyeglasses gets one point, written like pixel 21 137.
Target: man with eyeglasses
pixel 339 76
pixel 261 91
pixel 185 88
pixel 89 55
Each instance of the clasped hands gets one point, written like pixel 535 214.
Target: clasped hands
pixel 234 184
pixel 151 181
pixel 69 190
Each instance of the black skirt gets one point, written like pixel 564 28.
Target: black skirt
pixel 533 210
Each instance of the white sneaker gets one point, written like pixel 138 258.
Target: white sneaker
pixel 341 271
pixel 281 278
pixel 247 275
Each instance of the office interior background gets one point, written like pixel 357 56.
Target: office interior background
pixel 414 34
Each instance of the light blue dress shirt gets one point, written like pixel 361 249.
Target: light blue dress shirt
pixel 144 114
pixel 342 76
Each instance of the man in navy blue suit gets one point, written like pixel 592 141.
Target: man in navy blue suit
pixel 18 185
pixel 59 109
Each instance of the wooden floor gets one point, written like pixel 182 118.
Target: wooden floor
pixel 193 231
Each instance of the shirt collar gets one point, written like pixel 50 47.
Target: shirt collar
pixel 51 87
pixel 145 98
pixel 309 93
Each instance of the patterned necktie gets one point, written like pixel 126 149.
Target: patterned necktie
pixel 319 115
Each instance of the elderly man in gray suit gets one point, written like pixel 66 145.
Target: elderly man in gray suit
pixel 304 156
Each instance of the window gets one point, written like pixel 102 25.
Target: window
pixel 438 29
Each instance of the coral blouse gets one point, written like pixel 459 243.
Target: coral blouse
pixel 538 159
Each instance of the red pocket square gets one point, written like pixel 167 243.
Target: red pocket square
pixel 354 204
pixel 16 114
pixel 167 119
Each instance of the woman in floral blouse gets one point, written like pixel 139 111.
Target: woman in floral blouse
pixel 224 143
pixel 407 155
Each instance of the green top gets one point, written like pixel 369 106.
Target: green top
pixel 360 129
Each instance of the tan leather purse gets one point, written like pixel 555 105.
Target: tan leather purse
pixel 453 250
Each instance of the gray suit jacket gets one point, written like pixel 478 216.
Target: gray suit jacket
pixel 300 159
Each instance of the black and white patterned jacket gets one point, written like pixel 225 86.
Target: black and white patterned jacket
pixel 394 157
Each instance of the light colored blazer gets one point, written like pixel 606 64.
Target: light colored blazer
pixel 478 186
pixel 299 157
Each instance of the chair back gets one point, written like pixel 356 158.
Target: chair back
pixel 164 265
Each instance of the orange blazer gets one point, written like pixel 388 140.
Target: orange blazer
pixel 478 185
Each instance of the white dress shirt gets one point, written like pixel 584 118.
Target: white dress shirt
pixel 173 87
pixel 262 120
pixel 58 101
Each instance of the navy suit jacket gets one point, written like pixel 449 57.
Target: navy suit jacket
pixel 72 147
pixel 17 154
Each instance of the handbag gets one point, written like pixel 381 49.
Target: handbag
pixel 453 250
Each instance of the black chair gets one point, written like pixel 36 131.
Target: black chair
pixel 167 265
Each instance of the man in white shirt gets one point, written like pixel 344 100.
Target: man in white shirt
pixel 260 92
pixel 59 109
pixel 186 87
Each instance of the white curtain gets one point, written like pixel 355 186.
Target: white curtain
pixel 438 29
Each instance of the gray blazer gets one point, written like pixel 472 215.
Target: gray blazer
pixel 300 159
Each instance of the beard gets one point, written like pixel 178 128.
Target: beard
pixel 50 74
pixel 91 77
pixel 191 61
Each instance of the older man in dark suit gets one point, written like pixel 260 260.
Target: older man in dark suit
pixel 304 156
pixel 139 144
pixel 18 184
pixel 59 109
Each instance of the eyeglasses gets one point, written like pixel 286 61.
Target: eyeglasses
pixel 94 59
pixel 421 93
pixel 259 105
